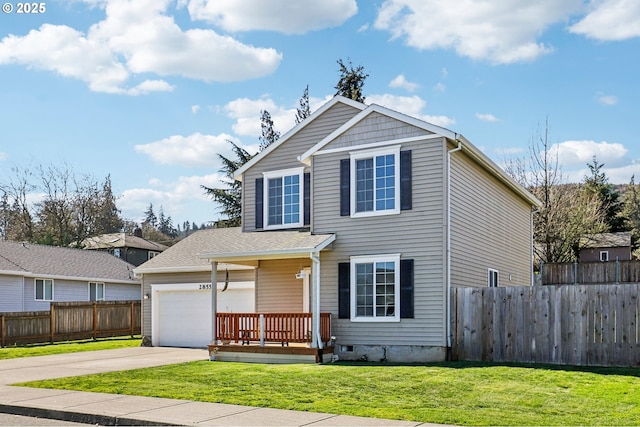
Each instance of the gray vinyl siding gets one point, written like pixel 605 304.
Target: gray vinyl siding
pixel 286 155
pixel 490 228
pixel 120 291
pixel 416 234
pixel 277 289
pixel 171 278
pixel 11 293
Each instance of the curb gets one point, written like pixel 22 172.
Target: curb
pixel 78 417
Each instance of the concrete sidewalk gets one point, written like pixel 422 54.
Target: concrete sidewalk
pixel 113 409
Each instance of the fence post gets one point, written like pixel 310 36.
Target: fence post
pixel 617 271
pixel 52 326
pixel 95 319
pixel 132 319
pixel 575 272
pixel 2 333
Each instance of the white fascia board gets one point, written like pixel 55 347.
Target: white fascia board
pixel 368 146
pixel 194 269
pixel 375 108
pixel 241 170
pixel 81 279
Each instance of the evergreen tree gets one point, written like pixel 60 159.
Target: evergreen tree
pixel 150 217
pixel 631 212
pixel 108 218
pixel 269 135
pixel 304 110
pixel 598 184
pixel 351 81
pixel 229 198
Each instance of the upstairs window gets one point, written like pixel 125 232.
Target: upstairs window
pixel 44 290
pixel 375 182
pixel 284 196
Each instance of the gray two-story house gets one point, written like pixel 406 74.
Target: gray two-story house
pixel 358 223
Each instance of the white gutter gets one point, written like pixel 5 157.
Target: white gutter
pixel 448 298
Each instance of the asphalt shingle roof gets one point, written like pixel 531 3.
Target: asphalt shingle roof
pixel 121 240
pixel 607 240
pixel 17 257
pixel 222 241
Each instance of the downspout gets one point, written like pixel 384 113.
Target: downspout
pixel 214 302
pixel 315 277
pixel 448 298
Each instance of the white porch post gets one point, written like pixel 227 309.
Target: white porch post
pixel 316 341
pixel 214 301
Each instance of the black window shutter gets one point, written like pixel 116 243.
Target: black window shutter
pixel 345 179
pixel 307 198
pixel 259 202
pixel 406 288
pixel 405 180
pixel 344 290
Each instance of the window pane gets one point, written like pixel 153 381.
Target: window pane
pixel 48 290
pixel 385 289
pixel 39 289
pixel 364 289
pixel 275 202
pixel 100 292
pixel 291 199
pixel 385 182
pixel 92 291
pixel 364 185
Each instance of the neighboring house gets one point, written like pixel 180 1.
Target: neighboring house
pixel 177 286
pixel 606 247
pixel 31 276
pixel 366 218
pixel 130 248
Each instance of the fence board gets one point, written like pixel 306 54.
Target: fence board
pixel 71 321
pixel 593 325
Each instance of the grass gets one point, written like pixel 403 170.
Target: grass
pixel 68 347
pixel 448 393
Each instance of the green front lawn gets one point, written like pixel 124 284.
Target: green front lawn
pixel 448 393
pixel 68 347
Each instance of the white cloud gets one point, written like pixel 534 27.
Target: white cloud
pixel 195 109
pixel 580 153
pixel 136 38
pixel 401 82
pixel 486 117
pixel 283 16
pixel 500 32
pixel 246 113
pixel 193 150
pixel 610 20
pixel 607 100
pixel 410 105
pixel 183 199
pixel 440 87
pixel 3 155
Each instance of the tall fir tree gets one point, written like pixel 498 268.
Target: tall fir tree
pixel 351 81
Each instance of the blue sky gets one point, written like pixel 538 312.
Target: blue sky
pixel 148 91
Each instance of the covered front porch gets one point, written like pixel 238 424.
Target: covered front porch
pixel 287 325
pixel 271 338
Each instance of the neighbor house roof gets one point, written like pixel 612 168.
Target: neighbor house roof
pixel 121 240
pixel 606 240
pixel 231 244
pixel 17 258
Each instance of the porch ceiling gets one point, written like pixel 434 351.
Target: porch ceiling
pixel 236 245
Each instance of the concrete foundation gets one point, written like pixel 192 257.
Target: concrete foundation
pixel 390 353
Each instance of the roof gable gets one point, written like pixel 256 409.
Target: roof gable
pixel 295 130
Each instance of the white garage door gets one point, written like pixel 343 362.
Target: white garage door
pixel 181 314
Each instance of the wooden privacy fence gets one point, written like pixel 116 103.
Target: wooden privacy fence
pixel 590 272
pixel 71 321
pixel 594 325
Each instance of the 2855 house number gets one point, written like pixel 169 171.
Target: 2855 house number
pixel 204 286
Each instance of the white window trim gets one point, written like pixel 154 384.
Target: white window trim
pixel 265 197
pixel 604 253
pixel 395 258
pixel 152 254
pixel 490 272
pixel 365 154
pixel 104 288
pixel 44 293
